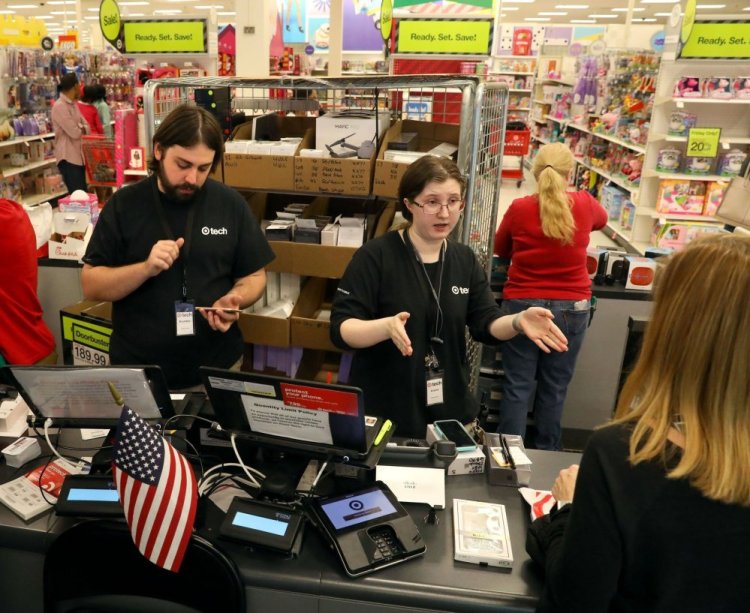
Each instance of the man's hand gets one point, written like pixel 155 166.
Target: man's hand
pixel 219 319
pixel 163 255
pixel 396 326
pixel 565 484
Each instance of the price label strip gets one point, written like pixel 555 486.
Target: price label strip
pixel 703 142
pixel 87 356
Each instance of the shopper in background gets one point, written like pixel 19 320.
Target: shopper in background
pixel 89 111
pixel 69 127
pixel 660 519
pixel 99 100
pixel 545 236
pixel 172 244
pixel 404 303
pixel 24 337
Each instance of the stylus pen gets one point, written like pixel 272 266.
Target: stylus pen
pixel 383 431
pixel 507 451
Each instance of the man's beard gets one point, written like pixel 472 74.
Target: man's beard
pixel 176 193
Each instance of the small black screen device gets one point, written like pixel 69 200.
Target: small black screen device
pixel 369 529
pixel 263 524
pixel 453 430
pixel 89 496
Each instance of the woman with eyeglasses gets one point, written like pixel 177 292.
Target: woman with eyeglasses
pixel 406 299
pixel 545 236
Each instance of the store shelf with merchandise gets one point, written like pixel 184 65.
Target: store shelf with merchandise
pixel 680 193
pixel 23 161
pixel 517 72
pixel 458 114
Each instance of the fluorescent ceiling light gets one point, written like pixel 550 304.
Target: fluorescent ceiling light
pixel 208 7
pixel 553 13
pixel 503 15
pixel 96 10
pixel 45 17
pixel 646 20
pixel 22 6
pixel 133 3
pixel 571 6
pixel 635 10
pixel 168 11
pixel 58 2
pixel 91 18
pixel 583 21
pixel 227 13
pixel 135 15
pixel 711 6
pixel 604 16
pixel 62 12
pixel 537 19
pixel 8 13
pixel 659 1
pixel 510 8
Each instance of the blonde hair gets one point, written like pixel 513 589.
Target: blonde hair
pixel 551 167
pixel 694 368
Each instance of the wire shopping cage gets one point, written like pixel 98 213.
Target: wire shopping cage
pixel 99 160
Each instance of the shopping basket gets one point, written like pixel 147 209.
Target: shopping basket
pixel 516 145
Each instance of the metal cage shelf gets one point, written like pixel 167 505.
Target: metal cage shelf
pixel 480 109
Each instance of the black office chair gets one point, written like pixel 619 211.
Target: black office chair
pixel 94 567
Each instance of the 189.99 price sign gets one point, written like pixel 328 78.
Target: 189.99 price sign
pixel 86 356
pixel 703 142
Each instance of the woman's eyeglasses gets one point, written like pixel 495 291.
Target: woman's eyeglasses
pixel 432 207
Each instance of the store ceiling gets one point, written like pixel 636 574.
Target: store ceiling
pixel 61 13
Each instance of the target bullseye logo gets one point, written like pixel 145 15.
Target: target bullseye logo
pixel 356 505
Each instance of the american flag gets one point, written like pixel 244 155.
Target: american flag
pixel 157 491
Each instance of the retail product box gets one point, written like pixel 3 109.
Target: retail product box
pixel 466 462
pixel 679 196
pixel 500 473
pixel 641 272
pixel 677 234
pixel 71 233
pixel 388 173
pixel 311 318
pixel 259 171
pixel 85 328
pixel 344 133
pixel 596 262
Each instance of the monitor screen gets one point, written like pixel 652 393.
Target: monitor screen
pixel 277 411
pixel 80 396
pixel 346 511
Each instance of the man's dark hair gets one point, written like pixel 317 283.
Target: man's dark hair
pixel 425 170
pixel 187 126
pixel 68 82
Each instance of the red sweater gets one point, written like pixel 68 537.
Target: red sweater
pixel 91 115
pixel 24 337
pixel 543 267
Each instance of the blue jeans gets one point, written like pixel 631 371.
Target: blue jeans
pixel 524 362
pixel 73 175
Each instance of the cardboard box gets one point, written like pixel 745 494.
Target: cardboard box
pixel 350 128
pixel 325 366
pixel 388 174
pixel 306 329
pixel 335 176
pixel 85 328
pixel 275 172
pixel 261 330
pixel 71 233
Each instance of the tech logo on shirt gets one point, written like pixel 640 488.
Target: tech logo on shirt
pixel 206 231
pixel 459 290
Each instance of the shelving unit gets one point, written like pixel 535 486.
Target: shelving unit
pixel 11 177
pixel 518 72
pixel 731 115
pixel 475 110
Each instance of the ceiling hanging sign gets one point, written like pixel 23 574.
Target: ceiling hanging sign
pixel 47 43
pixel 386 19
pixel 111 23
pixel 720 39
pixel 444 36
pixel 657 41
pixel 688 20
pixel 165 36
pixel 598 47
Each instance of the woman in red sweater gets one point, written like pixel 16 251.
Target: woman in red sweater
pixel 545 236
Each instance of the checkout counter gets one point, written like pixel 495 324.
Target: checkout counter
pixel 316 581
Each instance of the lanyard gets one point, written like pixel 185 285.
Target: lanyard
pixel 185 251
pixel 438 328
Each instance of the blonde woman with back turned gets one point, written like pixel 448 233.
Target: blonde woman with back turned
pixel 661 513
pixel 545 236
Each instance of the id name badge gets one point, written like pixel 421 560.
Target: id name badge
pixel 434 381
pixel 184 317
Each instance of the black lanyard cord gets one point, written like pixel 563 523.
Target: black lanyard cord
pixel 185 251
pixel 437 336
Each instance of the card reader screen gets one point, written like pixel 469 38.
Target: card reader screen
pixel 261 524
pixel 85 494
pixel 352 510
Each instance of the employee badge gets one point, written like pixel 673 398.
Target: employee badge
pixel 433 379
pixel 185 317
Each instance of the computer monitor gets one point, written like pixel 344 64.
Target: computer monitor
pixel 80 396
pixel 320 419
